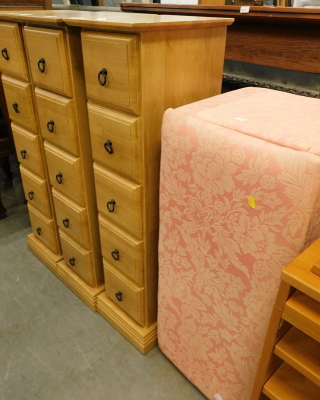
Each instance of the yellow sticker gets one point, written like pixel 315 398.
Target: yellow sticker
pixel 252 202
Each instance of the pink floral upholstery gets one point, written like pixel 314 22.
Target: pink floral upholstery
pixel 239 199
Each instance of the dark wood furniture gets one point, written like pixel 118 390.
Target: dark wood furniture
pixel 279 37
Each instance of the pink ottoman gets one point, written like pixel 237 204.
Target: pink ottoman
pixel 239 199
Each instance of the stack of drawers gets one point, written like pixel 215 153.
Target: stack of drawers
pixel 56 95
pixel 113 89
pixel 101 83
pixel 21 106
pixel 56 68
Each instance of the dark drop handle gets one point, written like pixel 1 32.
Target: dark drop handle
pixel 42 65
pixel 103 77
pixel 5 54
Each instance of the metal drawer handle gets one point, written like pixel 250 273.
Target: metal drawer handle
pixel 30 195
pixel 108 146
pixel 5 54
pixel 50 125
pixel 72 261
pixel 119 296
pixel 38 231
pixel 23 154
pixel 15 107
pixel 103 74
pixel 66 222
pixel 115 254
pixel 59 178
pixel 110 205
pixel 42 65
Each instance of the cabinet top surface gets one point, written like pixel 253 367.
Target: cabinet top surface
pixel 113 20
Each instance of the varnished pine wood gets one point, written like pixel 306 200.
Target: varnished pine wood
pixel 43 229
pixel 19 93
pixel 30 143
pixel 78 259
pixel 123 132
pixel 119 56
pixel 301 352
pixel 298 273
pixel 36 191
pixel 130 260
pixel 170 61
pixel 77 224
pixel 60 110
pixel 56 75
pixel 128 201
pixel 316 268
pixel 11 39
pixel 143 338
pixel 70 168
pixel 132 296
pixel 85 292
pixel 289 384
pixel 304 313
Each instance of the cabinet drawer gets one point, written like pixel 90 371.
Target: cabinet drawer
pixel 36 191
pixel 77 258
pixel 20 104
pixel 44 229
pixel 12 58
pixel 47 51
pixel 65 173
pixel 121 250
pixel 113 76
pixel 57 120
pixel 119 201
pixel 114 140
pixel 128 296
pixel 28 150
pixel 72 219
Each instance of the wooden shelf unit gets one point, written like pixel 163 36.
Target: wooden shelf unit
pixel 289 367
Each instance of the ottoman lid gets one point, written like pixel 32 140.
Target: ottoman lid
pixel 285 119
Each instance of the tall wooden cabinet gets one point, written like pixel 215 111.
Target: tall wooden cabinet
pixel 100 85
pixel 289 368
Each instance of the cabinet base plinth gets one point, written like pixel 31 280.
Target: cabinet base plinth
pixel 45 255
pixel 85 292
pixel 144 339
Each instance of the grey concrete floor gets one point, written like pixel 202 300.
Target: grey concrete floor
pixel 52 346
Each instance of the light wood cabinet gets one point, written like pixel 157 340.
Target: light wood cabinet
pixel 100 85
pixel 289 367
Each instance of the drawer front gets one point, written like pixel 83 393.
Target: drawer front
pixel 114 140
pixel 44 229
pixel 12 58
pixel 36 191
pixel 72 219
pixel 113 76
pixel 20 104
pixel 121 250
pixel 119 201
pixel 128 296
pixel 77 258
pixel 28 150
pixel 57 120
pixel 65 173
pixel 47 51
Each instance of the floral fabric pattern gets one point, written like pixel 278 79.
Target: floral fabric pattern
pixel 239 200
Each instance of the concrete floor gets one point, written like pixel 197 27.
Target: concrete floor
pixel 52 346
